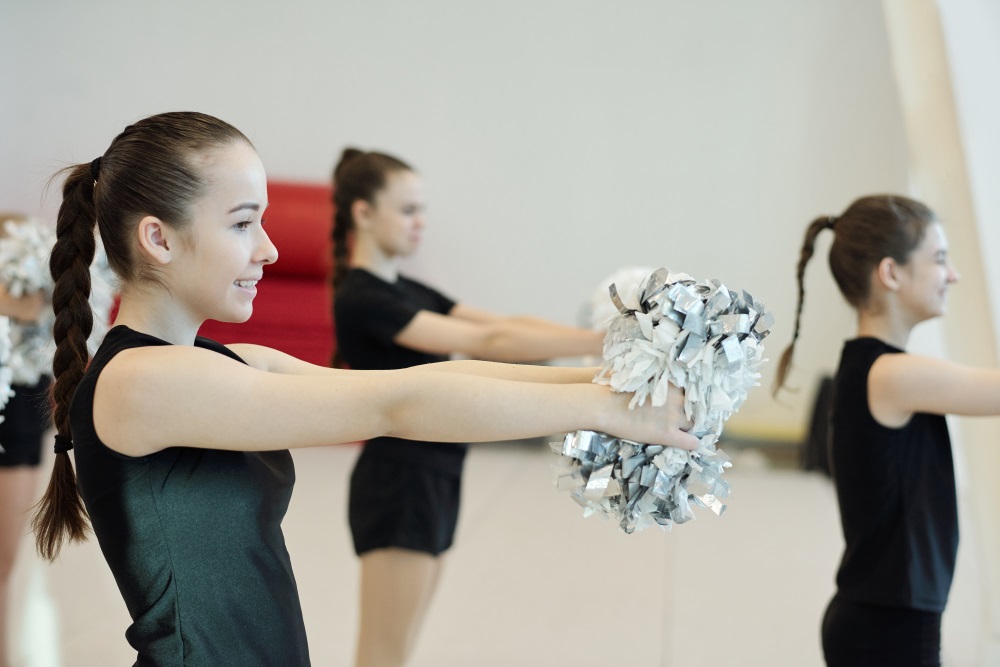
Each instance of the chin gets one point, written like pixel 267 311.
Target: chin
pixel 238 317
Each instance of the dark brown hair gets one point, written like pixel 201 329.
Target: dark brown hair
pixel 149 169
pixel 871 229
pixel 358 176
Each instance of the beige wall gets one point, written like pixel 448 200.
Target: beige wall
pixel 560 140
pixel 946 70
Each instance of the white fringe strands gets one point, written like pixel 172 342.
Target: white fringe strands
pixel 703 338
pixel 6 376
pixel 24 269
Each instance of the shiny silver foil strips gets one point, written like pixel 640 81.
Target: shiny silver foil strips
pixel 700 336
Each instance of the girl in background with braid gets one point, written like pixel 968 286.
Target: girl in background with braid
pixel 890 450
pixel 181 443
pixel 25 418
pixel 404 496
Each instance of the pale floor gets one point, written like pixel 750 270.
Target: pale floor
pixel 530 582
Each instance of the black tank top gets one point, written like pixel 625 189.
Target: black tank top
pixel 193 538
pixel 896 490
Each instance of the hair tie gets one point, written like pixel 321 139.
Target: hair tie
pixel 830 221
pixel 63 444
pixel 95 168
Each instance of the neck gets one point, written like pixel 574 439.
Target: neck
pixel 369 256
pixel 156 314
pixel 886 326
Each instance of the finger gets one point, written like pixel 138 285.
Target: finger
pixel 686 441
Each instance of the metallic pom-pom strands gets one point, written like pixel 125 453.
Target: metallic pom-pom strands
pixel 700 336
pixel 24 269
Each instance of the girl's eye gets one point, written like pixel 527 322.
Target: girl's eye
pixel 242 226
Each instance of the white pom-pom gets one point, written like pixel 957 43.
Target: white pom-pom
pixel 24 269
pixel 699 336
pixel 6 376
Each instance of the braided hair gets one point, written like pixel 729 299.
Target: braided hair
pixel 358 176
pixel 871 229
pixel 149 169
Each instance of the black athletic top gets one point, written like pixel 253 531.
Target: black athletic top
pixel 193 538
pixel 896 489
pixel 369 312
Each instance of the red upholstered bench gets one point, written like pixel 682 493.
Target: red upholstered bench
pixel 291 311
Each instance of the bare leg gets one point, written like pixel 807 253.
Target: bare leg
pixel 17 492
pixel 397 586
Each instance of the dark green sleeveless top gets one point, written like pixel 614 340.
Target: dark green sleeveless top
pixel 193 538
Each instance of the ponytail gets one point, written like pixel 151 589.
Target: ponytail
pixel 151 168
pixel 60 515
pixel 808 246
pixel 357 176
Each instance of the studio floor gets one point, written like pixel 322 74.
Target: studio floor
pixel 530 582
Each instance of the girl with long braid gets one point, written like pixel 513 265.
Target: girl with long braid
pixel 404 496
pixel 890 449
pixel 181 443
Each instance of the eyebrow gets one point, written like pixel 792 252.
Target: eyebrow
pixel 245 205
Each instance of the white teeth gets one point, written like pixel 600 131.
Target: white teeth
pixel 246 283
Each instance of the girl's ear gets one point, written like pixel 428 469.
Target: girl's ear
pixel 154 239
pixel 361 212
pixel 887 273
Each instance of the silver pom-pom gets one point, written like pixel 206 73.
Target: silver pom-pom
pixel 703 338
pixel 24 269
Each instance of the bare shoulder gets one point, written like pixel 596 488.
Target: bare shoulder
pixel 143 390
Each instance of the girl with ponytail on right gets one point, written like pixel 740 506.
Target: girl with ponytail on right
pixel 181 444
pixel 890 450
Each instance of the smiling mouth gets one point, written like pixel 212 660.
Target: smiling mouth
pixel 245 283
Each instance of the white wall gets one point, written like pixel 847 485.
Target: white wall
pixel 970 28
pixel 559 140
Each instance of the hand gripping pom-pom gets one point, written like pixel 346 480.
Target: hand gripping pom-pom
pixel 700 336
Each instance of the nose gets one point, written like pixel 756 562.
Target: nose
pixel 266 252
pixel 953 275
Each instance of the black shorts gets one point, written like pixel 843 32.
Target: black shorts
pixel 26 416
pixel 396 503
pixel 863 635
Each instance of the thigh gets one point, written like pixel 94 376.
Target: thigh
pixel 860 635
pixel 17 494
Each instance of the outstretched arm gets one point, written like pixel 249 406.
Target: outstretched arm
pixel 268 359
pixel 483 335
pixel 902 384
pixel 197 398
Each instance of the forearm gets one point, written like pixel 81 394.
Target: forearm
pixel 514 340
pixel 451 407
pixel 517 372
pixel 458 407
